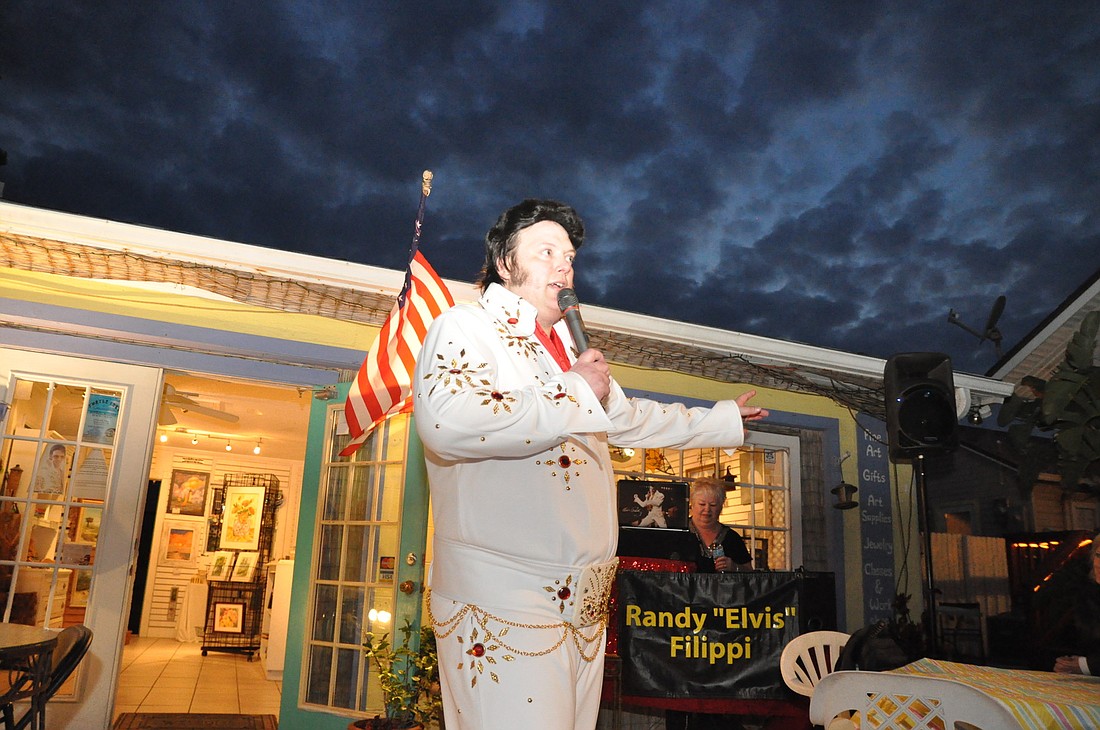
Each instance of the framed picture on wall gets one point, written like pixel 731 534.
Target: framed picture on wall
pixel 245 567
pixel 179 542
pixel 187 495
pixel 221 566
pixel 88 520
pixel 229 618
pixel 80 585
pixel 242 514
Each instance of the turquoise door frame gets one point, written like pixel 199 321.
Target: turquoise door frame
pixel 413 540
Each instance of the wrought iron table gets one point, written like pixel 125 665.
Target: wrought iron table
pixel 26 657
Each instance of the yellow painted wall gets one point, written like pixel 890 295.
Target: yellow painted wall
pixel 197 311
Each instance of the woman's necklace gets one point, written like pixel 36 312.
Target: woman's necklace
pixel 708 546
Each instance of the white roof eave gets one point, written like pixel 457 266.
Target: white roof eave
pixel 183 247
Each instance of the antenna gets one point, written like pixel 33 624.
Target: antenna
pixel 990 332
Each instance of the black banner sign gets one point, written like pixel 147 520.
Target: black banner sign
pixel 713 635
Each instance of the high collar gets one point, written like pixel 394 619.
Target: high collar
pixel 515 313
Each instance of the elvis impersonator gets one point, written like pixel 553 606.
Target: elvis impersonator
pixel 516 425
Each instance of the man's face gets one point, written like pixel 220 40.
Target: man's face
pixel 543 266
pixel 57 458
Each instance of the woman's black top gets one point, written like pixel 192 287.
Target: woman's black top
pixel 732 543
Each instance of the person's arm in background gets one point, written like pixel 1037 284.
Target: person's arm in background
pixel 1077 664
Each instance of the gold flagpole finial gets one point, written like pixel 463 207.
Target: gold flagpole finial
pixel 426 183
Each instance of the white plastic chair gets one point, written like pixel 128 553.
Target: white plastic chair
pixel 889 700
pixel 809 657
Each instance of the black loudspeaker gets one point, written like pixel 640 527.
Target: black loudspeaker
pixel 920 405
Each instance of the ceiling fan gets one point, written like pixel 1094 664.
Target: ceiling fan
pixel 184 402
pixel 990 332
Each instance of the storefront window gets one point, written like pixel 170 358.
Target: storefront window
pixel 354 564
pixel 762 497
pixel 56 456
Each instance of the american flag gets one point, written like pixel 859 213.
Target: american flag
pixel 383 387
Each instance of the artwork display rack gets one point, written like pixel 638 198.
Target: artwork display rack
pixel 243 599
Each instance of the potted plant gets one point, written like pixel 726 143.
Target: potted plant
pixel 408 674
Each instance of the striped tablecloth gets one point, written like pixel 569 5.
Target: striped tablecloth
pixel 1039 700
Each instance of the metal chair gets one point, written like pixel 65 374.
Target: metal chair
pixel 809 657
pixel 72 645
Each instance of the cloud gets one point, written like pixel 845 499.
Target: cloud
pixel 837 174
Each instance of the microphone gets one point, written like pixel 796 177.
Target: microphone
pixel 570 306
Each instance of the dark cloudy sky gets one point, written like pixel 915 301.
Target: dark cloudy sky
pixel 834 173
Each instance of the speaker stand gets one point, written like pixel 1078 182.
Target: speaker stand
pixel 925 524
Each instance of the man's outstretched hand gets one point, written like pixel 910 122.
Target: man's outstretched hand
pixel 750 413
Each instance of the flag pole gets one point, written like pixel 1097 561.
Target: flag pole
pixel 382 386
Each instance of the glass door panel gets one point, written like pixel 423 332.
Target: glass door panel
pixel 75 444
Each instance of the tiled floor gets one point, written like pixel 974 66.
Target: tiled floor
pixel 164 675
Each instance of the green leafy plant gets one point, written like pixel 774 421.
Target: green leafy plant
pixel 1069 406
pixel 408 674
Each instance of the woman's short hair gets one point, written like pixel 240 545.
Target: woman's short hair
pixel 500 241
pixel 711 487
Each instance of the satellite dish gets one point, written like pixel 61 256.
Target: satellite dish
pixel 990 332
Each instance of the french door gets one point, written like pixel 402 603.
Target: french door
pixel 75 447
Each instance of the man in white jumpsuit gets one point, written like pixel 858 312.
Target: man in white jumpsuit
pixel 516 427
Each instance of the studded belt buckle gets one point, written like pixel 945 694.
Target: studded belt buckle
pixel 594 586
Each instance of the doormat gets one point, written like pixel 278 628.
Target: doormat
pixel 184 721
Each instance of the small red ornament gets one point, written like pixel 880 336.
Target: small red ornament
pixel 564 462
pixel 513 320
pixel 478 650
pixel 564 593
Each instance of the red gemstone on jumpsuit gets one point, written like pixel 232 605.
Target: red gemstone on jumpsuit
pixel 496 395
pixel 564 593
pixel 478 650
pixel 564 462
pixel 513 320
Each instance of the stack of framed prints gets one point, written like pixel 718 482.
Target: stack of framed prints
pixel 241 529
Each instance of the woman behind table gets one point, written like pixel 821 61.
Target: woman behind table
pixel 720 549
pixel 1086 621
pixel 717 549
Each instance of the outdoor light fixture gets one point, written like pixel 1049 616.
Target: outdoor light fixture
pixel 975 416
pixel 845 493
pixel 163 437
pixel 618 453
pixel 194 440
pixel 328 392
pixel 256 448
pixel 228 446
